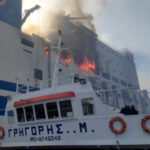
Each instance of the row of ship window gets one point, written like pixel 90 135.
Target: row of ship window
pixel 107 76
pixel 37 112
pixel 50 110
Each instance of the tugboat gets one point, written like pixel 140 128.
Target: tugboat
pixel 69 115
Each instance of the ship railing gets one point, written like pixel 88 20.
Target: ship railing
pixel 45 83
pixel 25 88
pixel 115 97
pixel 31 86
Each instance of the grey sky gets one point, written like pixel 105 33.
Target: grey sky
pixel 126 24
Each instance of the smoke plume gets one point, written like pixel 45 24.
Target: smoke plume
pixel 74 18
pixel 45 20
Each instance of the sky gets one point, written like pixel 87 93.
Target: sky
pixel 126 24
pixel 120 24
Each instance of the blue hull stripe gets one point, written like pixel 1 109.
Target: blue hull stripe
pixel 10 12
pixel 10 86
pixel 3 102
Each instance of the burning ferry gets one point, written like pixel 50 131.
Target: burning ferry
pixel 67 94
pixel 71 114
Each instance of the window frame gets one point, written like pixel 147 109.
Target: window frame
pixel 23 114
pixel 53 111
pixel 94 107
pixel 27 42
pixel 26 114
pixel 60 108
pixel 46 117
pixel 45 111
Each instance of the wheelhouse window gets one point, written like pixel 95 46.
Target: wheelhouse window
pixel 39 111
pixel 20 115
pixel 88 106
pixel 29 113
pixel 10 115
pixel 52 110
pixel 66 108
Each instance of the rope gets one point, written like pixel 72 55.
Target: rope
pixel 117 143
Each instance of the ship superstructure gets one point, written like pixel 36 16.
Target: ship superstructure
pixel 29 59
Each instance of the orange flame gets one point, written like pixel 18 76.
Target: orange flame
pixel 46 50
pixel 67 59
pixel 88 65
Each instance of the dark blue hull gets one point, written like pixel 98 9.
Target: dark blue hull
pixel 10 12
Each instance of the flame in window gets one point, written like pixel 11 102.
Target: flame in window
pixel 88 65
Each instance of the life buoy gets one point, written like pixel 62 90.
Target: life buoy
pixel 2 132
pixel 111 126
pixel 143 123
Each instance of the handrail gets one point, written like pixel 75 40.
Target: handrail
pixel 29 86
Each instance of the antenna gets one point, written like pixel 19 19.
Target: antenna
pixel 59 49
pixel 54 81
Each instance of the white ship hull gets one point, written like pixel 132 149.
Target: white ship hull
pixel 77 131
pixel 92 131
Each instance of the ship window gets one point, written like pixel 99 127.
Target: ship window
pixel 10 115
pixel 27 42
pixel 29 113
pixel 87 106
pixel 52 110
pixel 39 111
pixel 20 115
pixel 66 108
pixel 38 74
